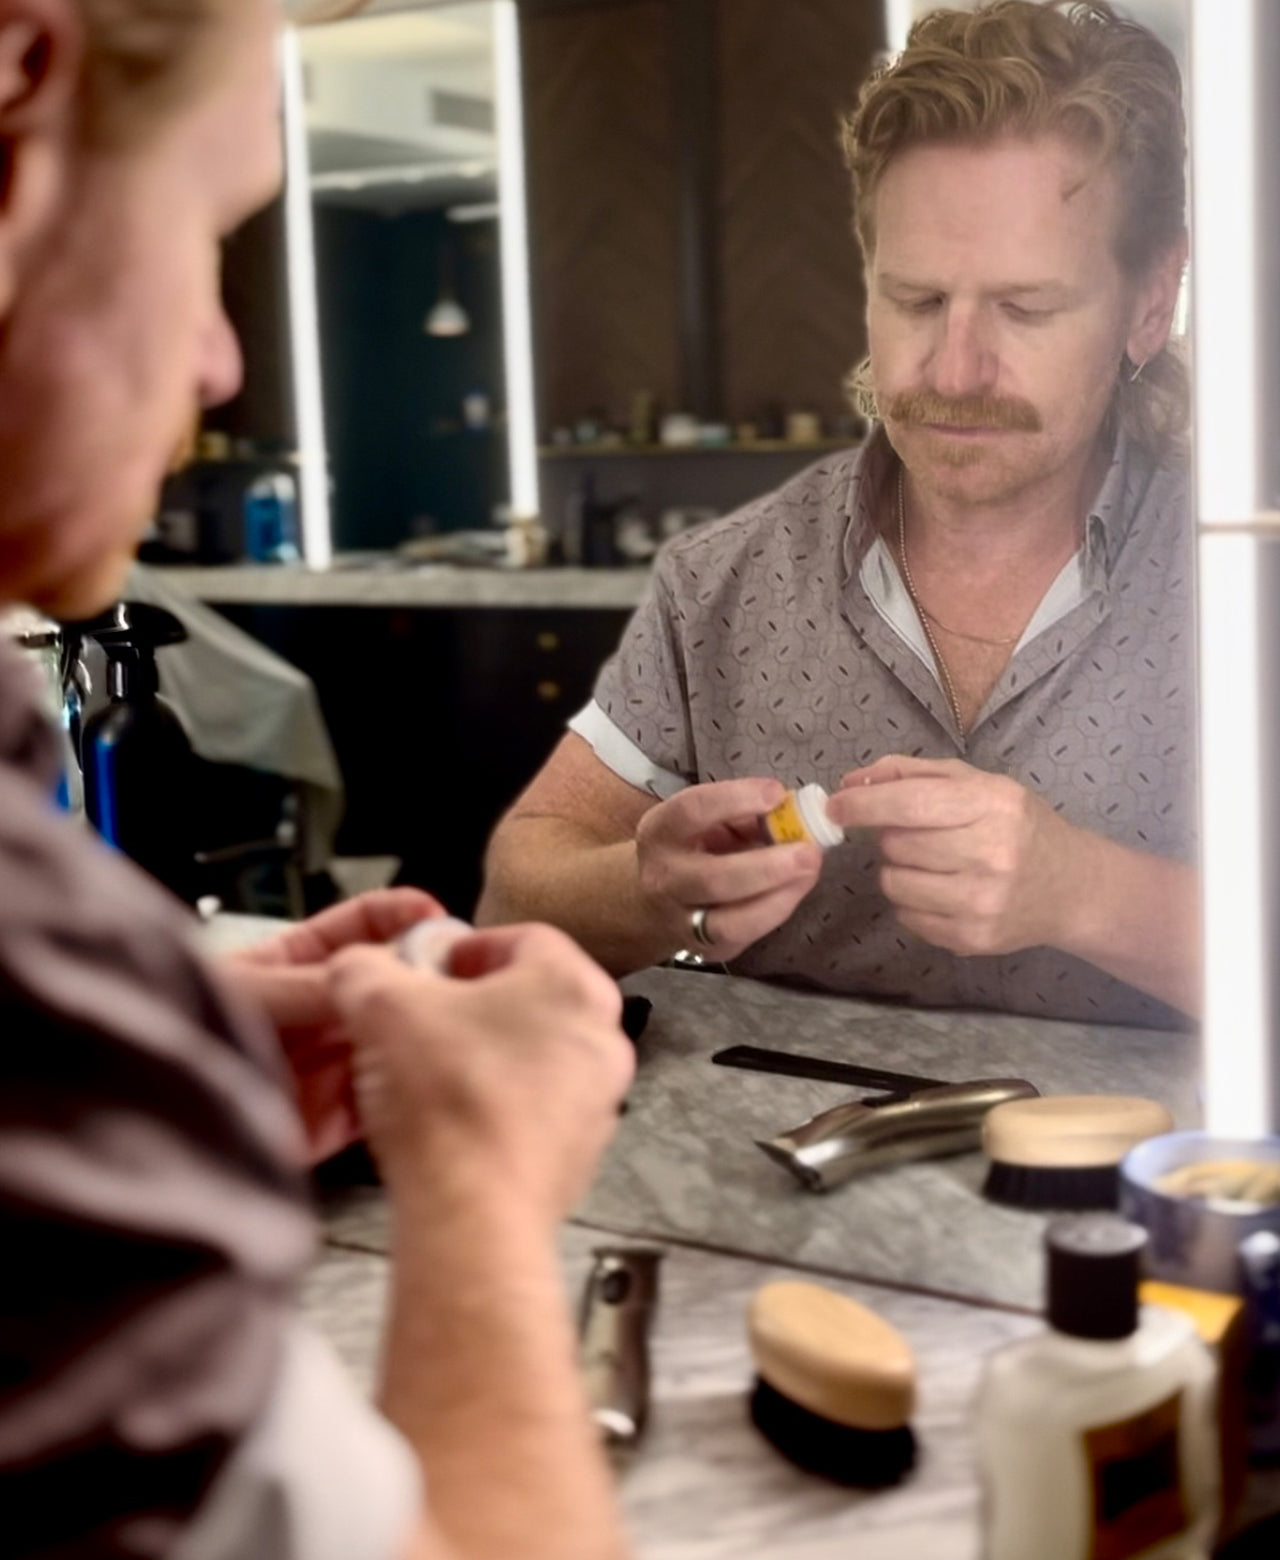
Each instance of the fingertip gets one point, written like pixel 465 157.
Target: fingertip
pixel 350 965
pixel 889 766
pixel 800 860
pixel 810 858
pixel 408 905
pixel 343 960
pixel 474 956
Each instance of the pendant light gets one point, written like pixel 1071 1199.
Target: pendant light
pixel 447 317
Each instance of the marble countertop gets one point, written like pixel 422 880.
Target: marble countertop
pixel 684 1165
pixel 427 585
pixel 703 1484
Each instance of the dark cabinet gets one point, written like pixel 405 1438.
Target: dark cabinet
pixel 439 717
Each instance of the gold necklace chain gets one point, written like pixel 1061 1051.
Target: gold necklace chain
pixel 948 686
pixel 958 633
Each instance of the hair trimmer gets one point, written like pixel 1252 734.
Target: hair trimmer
pixel 943 1118
pixel 617 1309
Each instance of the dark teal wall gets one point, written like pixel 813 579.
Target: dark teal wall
pixel 393 395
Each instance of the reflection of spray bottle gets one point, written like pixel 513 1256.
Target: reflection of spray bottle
pixel 135 754
pixel 271 518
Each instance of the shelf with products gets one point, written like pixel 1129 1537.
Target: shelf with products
pixel 754 447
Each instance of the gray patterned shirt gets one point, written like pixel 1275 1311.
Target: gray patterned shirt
pixel 157 1397
pixel 780 641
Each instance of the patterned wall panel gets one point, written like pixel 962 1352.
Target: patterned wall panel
pixel 602 190
pixel 790 277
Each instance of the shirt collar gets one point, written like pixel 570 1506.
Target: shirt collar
pixel 872 471
pixel 1112 511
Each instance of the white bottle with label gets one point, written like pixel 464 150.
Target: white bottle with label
pixel 1098 1439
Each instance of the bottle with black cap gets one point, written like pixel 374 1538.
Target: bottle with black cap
pixel 135 753
pixel 1097 1439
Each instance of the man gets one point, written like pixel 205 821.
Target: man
pixel 157 1397
pixel 978 626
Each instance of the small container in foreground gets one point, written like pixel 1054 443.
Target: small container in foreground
pixel 1098 1439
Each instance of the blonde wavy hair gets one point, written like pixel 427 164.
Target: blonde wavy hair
pixel 1071 68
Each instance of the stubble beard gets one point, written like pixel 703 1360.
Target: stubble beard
pixel 966 473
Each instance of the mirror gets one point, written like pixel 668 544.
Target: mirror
pixel 730 162
pixel 696 288
pixel 402 141
pixel 696 291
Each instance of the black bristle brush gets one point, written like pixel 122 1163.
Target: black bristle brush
pixel 1063 1151
pixel 835 1385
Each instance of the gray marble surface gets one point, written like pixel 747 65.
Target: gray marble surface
pixel 703 1484
pixel 684 1165
pixel 427 585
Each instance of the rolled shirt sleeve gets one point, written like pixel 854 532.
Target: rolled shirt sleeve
pixel 639 722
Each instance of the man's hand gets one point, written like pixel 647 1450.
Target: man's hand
pixel 973 862
pixel 696 850
pixel 505 1075
pixel 288 978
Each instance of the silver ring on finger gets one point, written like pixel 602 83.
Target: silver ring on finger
pixel 698 926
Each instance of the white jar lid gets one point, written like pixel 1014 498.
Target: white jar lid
pixel 811 804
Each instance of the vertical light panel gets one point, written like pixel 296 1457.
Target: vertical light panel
pixel 898 16
pixel 304 323
pixel 1225 261
pixel 1226 321
pixel 513 222
pixel 1237 1020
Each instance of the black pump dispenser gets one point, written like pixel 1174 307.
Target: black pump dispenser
pixel 135 754
pixel 1095 1265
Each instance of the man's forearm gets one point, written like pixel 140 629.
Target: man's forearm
pixel 1137 916
pixel 480 1373
pixel 549 869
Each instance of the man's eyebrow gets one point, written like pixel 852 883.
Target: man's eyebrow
pixel 1045 289
pixel 1048 289
pixel 907 283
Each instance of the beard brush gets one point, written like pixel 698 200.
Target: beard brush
pixel 1063 1151
pixel 835 1385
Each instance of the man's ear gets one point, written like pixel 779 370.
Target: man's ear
pixel 41 58
pixel 1156 302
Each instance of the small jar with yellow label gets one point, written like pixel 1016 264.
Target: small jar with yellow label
pixel 800 818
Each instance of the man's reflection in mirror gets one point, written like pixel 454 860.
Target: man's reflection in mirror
pixel 975 630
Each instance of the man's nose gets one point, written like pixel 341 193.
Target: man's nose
pixel 221 369
pixel 964 361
